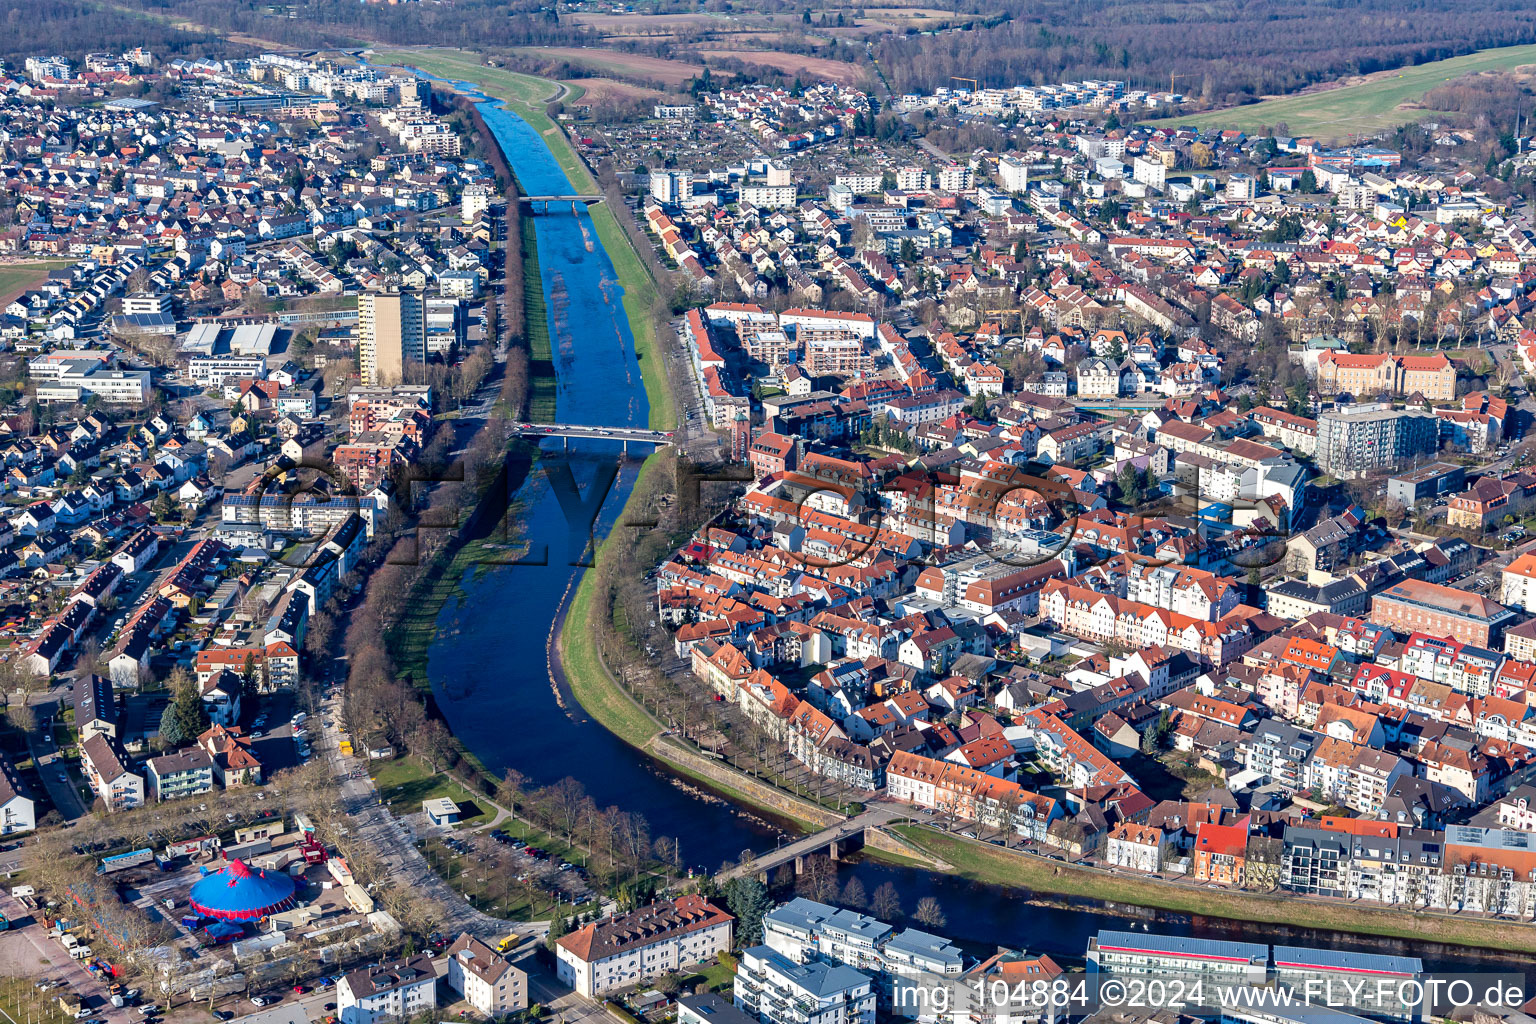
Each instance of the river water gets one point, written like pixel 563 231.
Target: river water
pixel 489 669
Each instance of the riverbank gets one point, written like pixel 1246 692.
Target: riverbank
pixel 982 862
pixel 528 97
pixel 572 649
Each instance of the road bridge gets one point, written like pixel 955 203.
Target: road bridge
pixel 538 204
pixel 566 431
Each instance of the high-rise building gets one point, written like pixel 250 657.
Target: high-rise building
pixel 1367 438
pixel 391 332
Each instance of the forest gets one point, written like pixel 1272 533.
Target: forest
pixel 468 23
pixel 1225 52
pixel 73 28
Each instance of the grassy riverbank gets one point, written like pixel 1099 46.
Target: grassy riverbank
pixel 528 96
pixel 543 386
pixel 982 862
pixel 585 673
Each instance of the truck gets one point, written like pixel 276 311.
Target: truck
pixel 190 847
pixel 123 861
pixel 508 942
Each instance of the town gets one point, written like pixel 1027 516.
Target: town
pixel 1128 512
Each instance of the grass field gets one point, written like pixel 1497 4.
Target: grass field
pixel 405 783
pixel 1362 106
pixel 985 863
pixel 16 278
pixel 631 65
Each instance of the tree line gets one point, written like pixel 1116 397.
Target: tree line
pixel 1225 53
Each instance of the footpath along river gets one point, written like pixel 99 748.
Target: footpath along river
pixel 489 670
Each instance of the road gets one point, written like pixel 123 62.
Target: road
pixel 394 844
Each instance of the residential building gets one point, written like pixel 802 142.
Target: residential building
pixel 391 336
pixel 397 990
pixel 17 811
pixel 776 990
pixel 622 950
pixel 185 773
pixel 487 980
pixel 1363 439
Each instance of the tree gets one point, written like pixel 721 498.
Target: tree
pixel 853 894
pixel 1308 182
pixel 185 718
pixel 818 881
pixel 886 904
pixel 748 900
pixel 930 913
pixel 1131 491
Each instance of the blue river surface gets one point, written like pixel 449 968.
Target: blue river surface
pixel 489 671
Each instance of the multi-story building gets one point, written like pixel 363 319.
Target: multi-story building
pixel 834 351
pixel 214 371
pixel 1365 376
pixel 185 773
pixel 1518 583
pixel 1135 847
pixel 777 990
pixel 1416 606
pixel 626 948
pixel 1114 952
pixel 394 991
pixel 487 981
pixel 1315 861
pixel 1490 499
pixel 17 812
pixel 1278 749
pixel 106 768
pixel 1351 442
pixel 391 335
pixel 1013 172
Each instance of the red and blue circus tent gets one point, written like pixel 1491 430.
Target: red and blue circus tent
pixel 239 892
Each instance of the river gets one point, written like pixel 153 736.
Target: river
pixel 488 662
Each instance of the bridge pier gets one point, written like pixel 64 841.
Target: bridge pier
pixel 565 443
pixel 625 444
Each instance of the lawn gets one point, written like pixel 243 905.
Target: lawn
pixel 1364 107
pixel 16 278
pixel 718 976
pixel 983 862
pixel 405 783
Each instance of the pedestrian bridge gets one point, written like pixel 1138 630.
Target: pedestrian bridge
pixel 835 841
pixel 566 431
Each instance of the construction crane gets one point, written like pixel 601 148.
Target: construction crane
pixel 975 87
pixel 1174 78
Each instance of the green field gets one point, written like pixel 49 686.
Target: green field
pixel 16 278
pixel 527 96
pixel 1365 108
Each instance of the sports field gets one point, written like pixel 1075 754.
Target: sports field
pixel 1363 105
